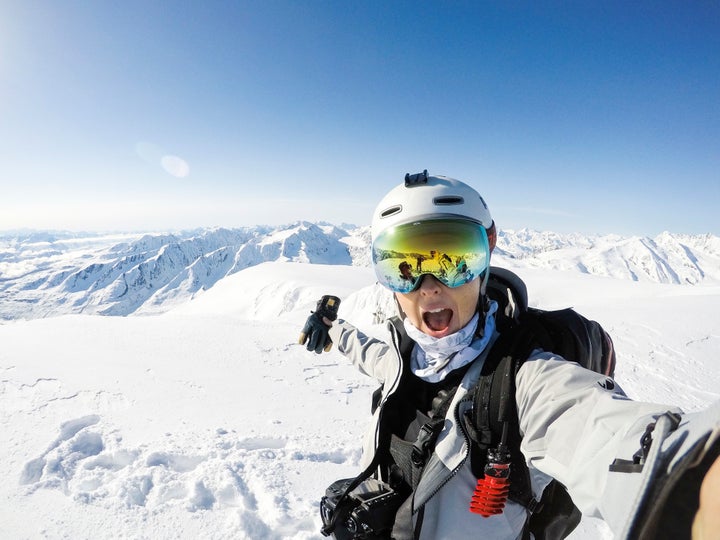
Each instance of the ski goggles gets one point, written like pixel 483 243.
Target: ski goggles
pixel 454 251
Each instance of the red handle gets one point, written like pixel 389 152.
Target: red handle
pixel 491 492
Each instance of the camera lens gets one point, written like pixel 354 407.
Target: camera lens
pixel 351 525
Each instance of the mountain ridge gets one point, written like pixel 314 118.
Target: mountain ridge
pixel 48 274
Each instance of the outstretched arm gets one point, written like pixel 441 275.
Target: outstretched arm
pixel 372 356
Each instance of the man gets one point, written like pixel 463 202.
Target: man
pixel 572 423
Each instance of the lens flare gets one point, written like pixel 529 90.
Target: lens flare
pixel 176 166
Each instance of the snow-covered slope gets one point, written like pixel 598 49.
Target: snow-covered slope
pixel 49 274
pixel 210 421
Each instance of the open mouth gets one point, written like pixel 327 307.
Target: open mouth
pixel 438 320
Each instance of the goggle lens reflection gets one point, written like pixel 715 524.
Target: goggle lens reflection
pixel 454 251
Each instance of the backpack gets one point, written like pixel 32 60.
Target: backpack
pixel 492 422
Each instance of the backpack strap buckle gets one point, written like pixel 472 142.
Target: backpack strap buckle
pixel 425 442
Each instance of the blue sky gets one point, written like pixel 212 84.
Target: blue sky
pixel 593 117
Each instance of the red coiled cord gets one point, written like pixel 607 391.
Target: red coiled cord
pixel 491 491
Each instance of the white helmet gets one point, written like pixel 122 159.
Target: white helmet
pixel 423 197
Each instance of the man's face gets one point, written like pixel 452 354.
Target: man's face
pixel 438 310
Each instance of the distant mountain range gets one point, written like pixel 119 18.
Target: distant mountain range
pixel 47 274
pixel 667 258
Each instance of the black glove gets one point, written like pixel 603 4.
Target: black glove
pixel 315 331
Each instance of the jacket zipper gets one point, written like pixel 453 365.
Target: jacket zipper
pixel 381 408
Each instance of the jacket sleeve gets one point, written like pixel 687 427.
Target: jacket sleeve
pixel 372 356
pixel 574 423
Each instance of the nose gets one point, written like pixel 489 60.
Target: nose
pixel 429 285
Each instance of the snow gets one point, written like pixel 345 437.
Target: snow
pixel 210 421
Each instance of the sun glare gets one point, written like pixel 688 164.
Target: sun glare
pixel 175 166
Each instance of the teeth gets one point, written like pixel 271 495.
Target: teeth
pixel 438 310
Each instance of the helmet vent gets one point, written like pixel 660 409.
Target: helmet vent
pixel 391 211
pixel 448 201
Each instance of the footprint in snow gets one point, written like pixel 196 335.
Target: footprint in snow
pixel 58 463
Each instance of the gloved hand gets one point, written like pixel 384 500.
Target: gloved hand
pixel 315 331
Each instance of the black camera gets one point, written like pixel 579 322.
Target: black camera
pixel 367 512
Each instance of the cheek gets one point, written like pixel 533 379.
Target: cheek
pixel 466 313
pixel 467 302
pixel 409 308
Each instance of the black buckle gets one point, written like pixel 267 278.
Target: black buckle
pixel 638 460
pixel 423 445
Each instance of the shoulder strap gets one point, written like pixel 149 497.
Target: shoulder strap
pixel 424 445
pixel 494 414
pixel 493 417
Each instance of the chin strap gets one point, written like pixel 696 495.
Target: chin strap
pixel 400 312
pixel 484 282
pixel 483 306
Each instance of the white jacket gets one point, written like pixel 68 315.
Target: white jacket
pixel 574 423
